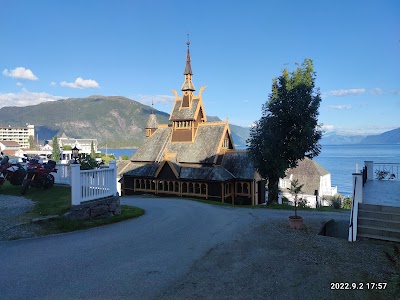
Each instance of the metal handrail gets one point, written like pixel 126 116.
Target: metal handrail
pixel 352 210
pixel 364 173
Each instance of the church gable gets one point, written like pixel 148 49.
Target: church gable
pixel 179 112
pixel 167 171
pixel 226 141
pixel 204 147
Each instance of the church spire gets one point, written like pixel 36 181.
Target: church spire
pixel 152 122
pixel 188 69
pixel 188 84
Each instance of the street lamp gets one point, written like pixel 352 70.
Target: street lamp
pixel 75 154
pixel 316 199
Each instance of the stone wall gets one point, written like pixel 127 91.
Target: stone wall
pixel 102 208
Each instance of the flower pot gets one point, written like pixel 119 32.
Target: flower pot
pixel 296 222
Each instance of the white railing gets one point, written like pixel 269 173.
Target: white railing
pixel 87 185
pixel 382 171
pixel 386 171
pixel 63 175
pixel 329 191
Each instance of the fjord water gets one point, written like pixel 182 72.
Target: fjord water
pixel 339 160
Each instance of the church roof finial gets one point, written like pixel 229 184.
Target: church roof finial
pixel 188 69
pixel 152 106
pixel 188 84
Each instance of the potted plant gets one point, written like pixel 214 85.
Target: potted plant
pixel 295 189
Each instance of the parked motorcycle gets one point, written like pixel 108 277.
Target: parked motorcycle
pixel 3 167
pixel 38 175
pixel 13 172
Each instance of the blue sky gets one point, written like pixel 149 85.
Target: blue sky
pixel 60 49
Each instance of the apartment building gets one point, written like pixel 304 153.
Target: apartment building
pixel 19 134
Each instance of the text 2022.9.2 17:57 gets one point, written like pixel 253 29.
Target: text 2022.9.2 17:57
pixel 358 285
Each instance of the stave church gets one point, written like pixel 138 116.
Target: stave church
pixel 191 157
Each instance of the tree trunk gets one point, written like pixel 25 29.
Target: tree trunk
pixel 273 182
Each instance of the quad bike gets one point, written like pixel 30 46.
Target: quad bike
pixel 38 175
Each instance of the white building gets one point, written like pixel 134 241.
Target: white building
pixel 9 145
pixel 315 178
pixel 17 134
pixel 84 145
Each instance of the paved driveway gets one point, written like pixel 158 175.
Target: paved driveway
pixel 135 259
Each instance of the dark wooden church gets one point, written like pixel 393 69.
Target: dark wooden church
pixel 192 157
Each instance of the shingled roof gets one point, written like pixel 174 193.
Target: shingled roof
pixel 152 146
pixel 309 173
pixel 239 164
pixel 152 122
pixel 142 170
pixel 205 146
pixel 184 113
pixel 205 173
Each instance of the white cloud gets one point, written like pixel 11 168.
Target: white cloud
pixel 340 107
pixel 348 92
pixel 377 91
pixel 53 83
pixel 81 83
pixel 327 128
pixel 25 98
pixel 19 84
pixel 20 73
pixel 158 99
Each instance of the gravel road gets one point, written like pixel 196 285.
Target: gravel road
pixel 188 250
pixel 13 222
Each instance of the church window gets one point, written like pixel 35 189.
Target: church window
pixel 245 188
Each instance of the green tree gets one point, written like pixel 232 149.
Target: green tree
pixel 55 154
pixel 87 162
pixel 31 141
pixel 92 152
pixel 288 129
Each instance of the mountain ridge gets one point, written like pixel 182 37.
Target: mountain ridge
pixel 115 121
pixel 387 137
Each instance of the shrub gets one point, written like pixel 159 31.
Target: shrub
pixel 347 203
pixel 302 203
pixel 380 175
pixel 87 162
pixel 336 202
pixel 285 200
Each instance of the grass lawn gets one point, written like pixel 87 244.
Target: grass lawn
pixel 57 201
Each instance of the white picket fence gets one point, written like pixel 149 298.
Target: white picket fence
pixel 87 185
pixel 63 175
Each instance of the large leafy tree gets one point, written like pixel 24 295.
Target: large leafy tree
pixel 288 129
pixel 55 154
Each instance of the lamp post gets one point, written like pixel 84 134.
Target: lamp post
pixel 316 198
pixel 75 154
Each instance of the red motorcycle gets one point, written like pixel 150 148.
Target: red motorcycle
pixel 13 172
pixel 38 175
